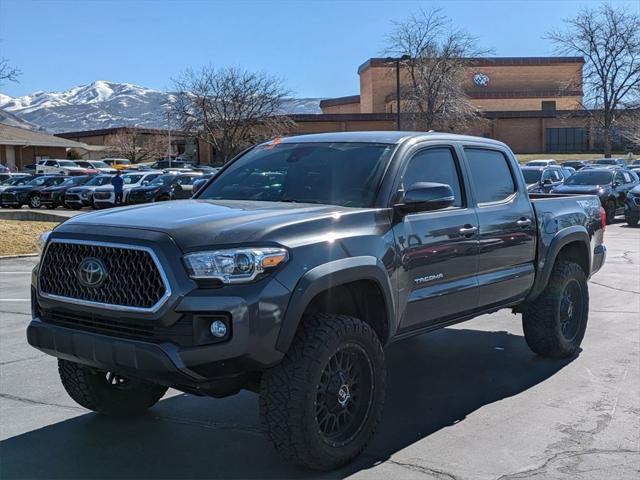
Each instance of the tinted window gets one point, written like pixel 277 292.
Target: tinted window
pixel 531 176
pixel 619 178
pixel 51 163
pixel 186 180
pixel 435 165
pixel 338 173
pixel 590 177
pixel 490 174
pixel 99 181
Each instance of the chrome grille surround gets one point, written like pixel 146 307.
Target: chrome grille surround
pixel 69 274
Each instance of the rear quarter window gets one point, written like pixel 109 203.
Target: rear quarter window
pixel 490 175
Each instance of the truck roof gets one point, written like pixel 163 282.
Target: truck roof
pixel 389 136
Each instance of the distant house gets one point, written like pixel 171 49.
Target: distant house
pixel 20 146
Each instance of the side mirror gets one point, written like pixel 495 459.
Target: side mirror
pixel 616 184
pixel 547 181
pixel 424 196
pixel 145 182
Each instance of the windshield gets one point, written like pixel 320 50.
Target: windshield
pixel 606 161
pixel 129 179
pixel 67 163
pixel 15 180
pixel 589 177
pixel 162 180
pixel 99 180
pixel 39 181
pixel 71 181
pixel 345 174
pixel 100 165
pixel 537 164
pixel 531 176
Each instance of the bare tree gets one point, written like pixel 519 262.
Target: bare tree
pixel 230 108
pixel 7 71
pixel 136 146
pixel 437 59
pixel 609 39
pixel 628 125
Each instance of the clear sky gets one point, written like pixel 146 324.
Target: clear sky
pixel 316 46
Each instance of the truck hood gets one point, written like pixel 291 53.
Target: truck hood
pixel 197 224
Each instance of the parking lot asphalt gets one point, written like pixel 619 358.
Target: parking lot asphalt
pixel 466 402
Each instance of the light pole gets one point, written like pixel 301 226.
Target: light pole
pixel 398 60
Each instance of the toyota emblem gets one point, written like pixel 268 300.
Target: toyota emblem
pixel 91 272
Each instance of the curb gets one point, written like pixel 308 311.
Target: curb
pixel 20 255
pixel 33 215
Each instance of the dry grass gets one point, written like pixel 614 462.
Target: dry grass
pixel 21 236
pixel 563 157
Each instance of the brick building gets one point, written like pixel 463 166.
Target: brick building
pixel 531 103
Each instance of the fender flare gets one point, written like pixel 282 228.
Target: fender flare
pixel 564 237
pixel 326 276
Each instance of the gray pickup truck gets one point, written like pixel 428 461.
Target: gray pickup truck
pixel 296 265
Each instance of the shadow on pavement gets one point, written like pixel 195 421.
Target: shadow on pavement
pixel 434 381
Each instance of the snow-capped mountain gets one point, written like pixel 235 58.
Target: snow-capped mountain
pixel 103 104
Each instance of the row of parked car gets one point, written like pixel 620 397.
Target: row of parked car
pixel 95 190
pixel 616 184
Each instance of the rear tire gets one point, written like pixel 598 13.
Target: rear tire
pixel 321 405
pixel 610 210
pixel 555 323
pixel 105 392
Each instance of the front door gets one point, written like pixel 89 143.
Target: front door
pixel 437 277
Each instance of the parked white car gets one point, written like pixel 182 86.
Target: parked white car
pixel 105 197
pixel 541 163
pixel 98 165
pixel 53 166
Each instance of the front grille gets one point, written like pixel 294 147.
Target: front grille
pixel 131 277
pixel 637 200
pixel 8 197
pixel 180 333
pixel 136 197
pixel 102 195
pixel 73 196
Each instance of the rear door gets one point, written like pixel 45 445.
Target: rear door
pixel 437 277
pixel 507 226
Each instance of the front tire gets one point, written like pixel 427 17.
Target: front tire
pixel 632 221
pixel 610 211
pixel 106 392
pixel 321 405
pixel 555 323
pixel 34 202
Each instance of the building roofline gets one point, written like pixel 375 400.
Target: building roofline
pixel 111 130
pixel 330 102
pixel 486 61
pixel 346 117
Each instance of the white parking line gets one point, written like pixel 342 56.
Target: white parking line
pixel 15 299
pixel 15 273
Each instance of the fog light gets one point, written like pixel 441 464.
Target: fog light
pixel 218 329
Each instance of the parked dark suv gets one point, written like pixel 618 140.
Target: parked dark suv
pixel 53 196
pixel 610 184
pixel 170 186
pixel 296 265
pixel 29 194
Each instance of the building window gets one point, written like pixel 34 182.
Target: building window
pixel 566 139
pixel 549 106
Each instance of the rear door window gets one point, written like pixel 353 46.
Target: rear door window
pixel 490 174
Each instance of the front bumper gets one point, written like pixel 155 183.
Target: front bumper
pixel 632 208
pixel 76 200
pixel 599 257
pixel 180 350
pixel 11 200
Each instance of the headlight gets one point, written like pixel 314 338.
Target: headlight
pixel 84 194
pixel 237 265
pixel 42 241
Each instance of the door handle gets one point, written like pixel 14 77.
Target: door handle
pixel 524 222
pixel 468 231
